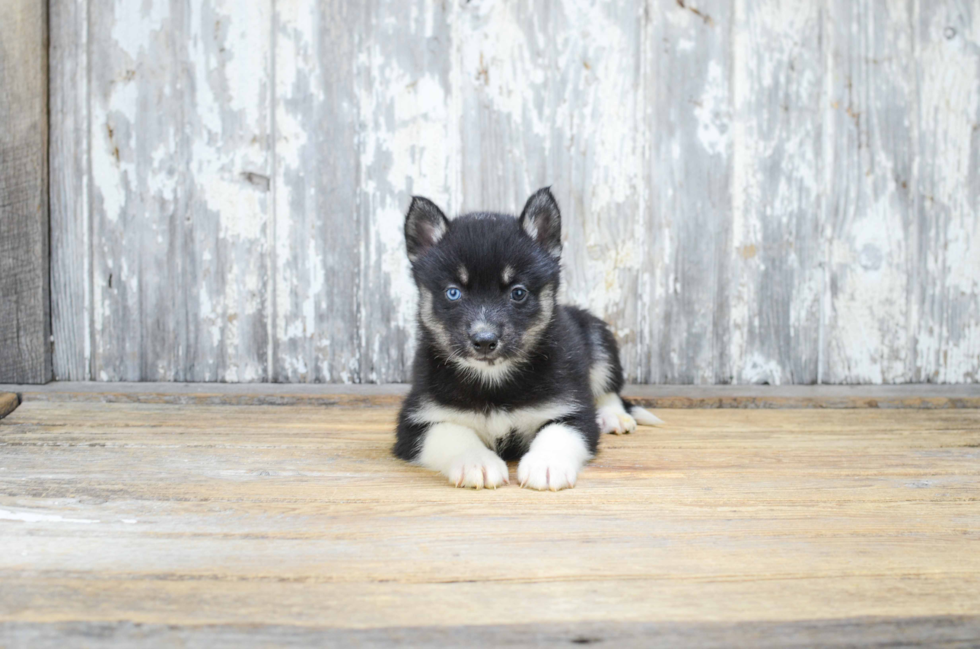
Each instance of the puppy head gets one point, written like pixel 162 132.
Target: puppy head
pixel 487 282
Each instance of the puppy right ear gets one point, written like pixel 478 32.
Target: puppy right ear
pixel 425 224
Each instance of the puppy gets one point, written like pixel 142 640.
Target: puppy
pixel 502 371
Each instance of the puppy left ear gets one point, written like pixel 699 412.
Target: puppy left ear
pixel 542 221
pixel 425 224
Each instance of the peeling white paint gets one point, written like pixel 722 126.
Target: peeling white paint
pixel 713 112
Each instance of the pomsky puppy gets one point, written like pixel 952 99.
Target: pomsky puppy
pixel 503 372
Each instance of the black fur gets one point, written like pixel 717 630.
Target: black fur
pixel 551 347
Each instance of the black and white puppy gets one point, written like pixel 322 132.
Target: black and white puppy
pixel 503 372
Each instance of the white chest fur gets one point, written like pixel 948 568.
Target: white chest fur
pixel 496 423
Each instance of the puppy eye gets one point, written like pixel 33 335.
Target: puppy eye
pixel 518 293
pixel 453 293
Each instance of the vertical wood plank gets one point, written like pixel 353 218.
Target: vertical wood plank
pixel 182 170
pixel 685 318
pixel 777 269
pixel 945 303
pixel 227 206
pixel 870 122
pixel 137 158
pixel 550 95
pixel 406 143
pixel 25 325
pixel 71 273
pixel 507 93
pixel 317 225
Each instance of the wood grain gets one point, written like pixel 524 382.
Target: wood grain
pixel 25 325
pixel 232 515
pixel 138 206
pixel 684 329
pixel 777 275
pixel 70 178
pixel 224 207
pixel 407 115
pixel 869 207
pixel 945 302
pixel 317 254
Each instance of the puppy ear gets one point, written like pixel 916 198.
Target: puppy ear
pixel 425 224
pixel 542 221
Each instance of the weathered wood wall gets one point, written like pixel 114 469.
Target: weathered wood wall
pixel 780 191
pixel 25 332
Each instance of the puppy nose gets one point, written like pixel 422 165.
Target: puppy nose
pixel 485 341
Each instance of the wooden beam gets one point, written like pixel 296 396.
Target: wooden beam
pixel 25 355
pixel 930 631
pixel 929 396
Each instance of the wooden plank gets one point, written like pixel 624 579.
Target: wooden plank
pixel 317 258
pixel 25 326
pixel 259 516
pixel 226 206
pixel 684 324
pixel 406 115
pixel 777 275
pixel 938 631
pixel 181 165
pixel 390 395
pixel 138 210
pixel 869 210
pixel 8 403
pixel 945 303
pixel 550 95
pixel 71 246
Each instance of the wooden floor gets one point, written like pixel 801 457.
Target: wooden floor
pixel 224 525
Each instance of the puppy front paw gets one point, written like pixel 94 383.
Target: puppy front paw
pixel 541 471
pixel 478 469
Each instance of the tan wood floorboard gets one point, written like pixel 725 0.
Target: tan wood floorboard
pixel 161 514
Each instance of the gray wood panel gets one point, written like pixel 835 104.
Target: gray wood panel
pixel 778 164
pixel 71 246
pixel 406 118
pixel 753 192
pixel 316 254
pixel 868 208
pixel 536 86
pixel 686 336
pixel 137 154
pixel 945 303
pixel 224 197
pixel 25 326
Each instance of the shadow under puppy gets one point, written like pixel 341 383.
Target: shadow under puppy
pixel 503 372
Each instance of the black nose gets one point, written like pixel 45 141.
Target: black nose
pixel 485 341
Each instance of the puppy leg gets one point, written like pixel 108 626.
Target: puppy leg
pixel 557 454
pixel 460 455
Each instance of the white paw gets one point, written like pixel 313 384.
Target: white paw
pixel 478 469
pixel 614 420
pixel 541 471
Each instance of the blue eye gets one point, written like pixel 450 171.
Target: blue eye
pixel 518 293
pixel 453 293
